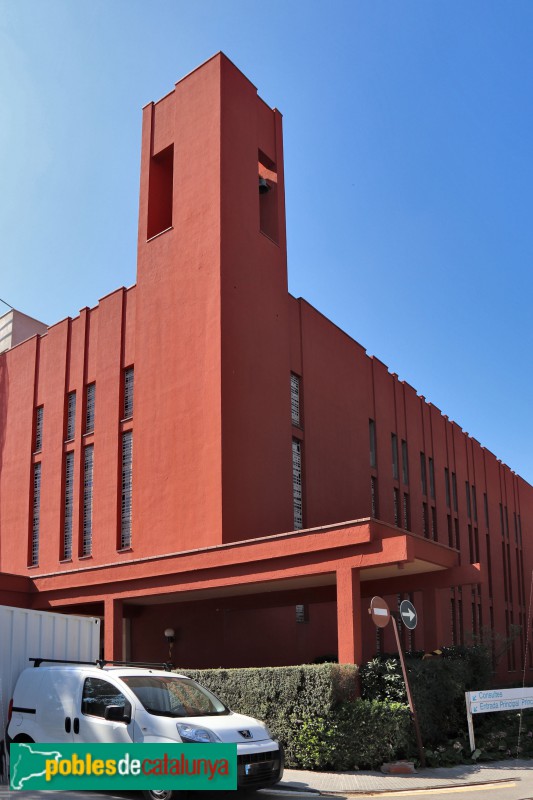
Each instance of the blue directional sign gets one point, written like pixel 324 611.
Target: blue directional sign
pixel 408 614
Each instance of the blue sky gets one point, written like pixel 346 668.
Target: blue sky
pixel 409 171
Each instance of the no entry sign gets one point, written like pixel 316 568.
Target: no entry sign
pixel 380 612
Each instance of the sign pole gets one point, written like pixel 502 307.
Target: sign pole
pixel 414 716
pixel 470 722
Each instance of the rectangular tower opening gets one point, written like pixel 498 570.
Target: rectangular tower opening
pixel 268 196
pixel 160 192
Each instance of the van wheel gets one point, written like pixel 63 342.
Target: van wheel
pixel 155 794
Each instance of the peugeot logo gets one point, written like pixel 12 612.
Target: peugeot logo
pixel 246 734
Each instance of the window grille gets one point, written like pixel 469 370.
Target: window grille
pixel 297 484
pixel 128 393
pixel 454 491
pixel 406 511
pixel 372 437
pixel 39 412
pixel 295 399
pixel 88 469
pixel 425 521
pixel 69 499
pixel 394 447
pixel 89 412
pixel 431 479
pixel 467 493
pixel 127 464
pixel 423 474
pixel 36 516
pixel 434 534
pixel 396 499
pixel 374 496
pixel 71 415
pixel 405 463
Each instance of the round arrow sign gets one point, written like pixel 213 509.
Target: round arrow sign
pixel 408 614
pixel 380 612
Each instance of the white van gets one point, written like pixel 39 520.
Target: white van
pixel 90 703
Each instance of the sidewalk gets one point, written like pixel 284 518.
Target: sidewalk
pixel 364 782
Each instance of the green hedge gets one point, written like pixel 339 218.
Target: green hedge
pixel 438 685
pixel 313 711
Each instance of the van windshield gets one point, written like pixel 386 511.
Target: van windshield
pixel 174 697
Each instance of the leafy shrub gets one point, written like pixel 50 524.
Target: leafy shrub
pixel 358 735
pixel 438 685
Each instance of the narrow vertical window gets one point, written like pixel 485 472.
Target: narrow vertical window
pixel 295 399
pixel 374 496
pixel 434 533
pixel 450 531
pixel 394 448
pixel 372 437
pixel 406 511
pixel 396 501
pixel 128 393
pixel 69 502
pixel 474 503
pixel 431 479
pixel 39 414
pixel 447 485
pixel 88 467
pixel 467 494
pixel 297 484
pixel 454 491
pixel 71 415
pixel 423 474
pixel 425 521
pixel 125 511
pixel 486 507
pixel 90 406
pixel 36 515
pixel 405 463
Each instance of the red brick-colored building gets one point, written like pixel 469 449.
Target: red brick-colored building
pixel 205 452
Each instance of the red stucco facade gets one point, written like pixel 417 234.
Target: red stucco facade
pixel 213 337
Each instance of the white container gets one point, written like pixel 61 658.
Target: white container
pixel 26 634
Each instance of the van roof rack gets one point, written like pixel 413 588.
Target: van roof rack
pixel 101 663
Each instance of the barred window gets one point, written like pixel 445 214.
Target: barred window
pixel 423 473
pixel 36 516
pixel 396 499
pixel 88 468
pixel 454 491
pixel 425 520
pixel 39 413
pixel 406 511
pixel 431 479
pixel 434 534
pixel 89 411
pixel 405 463
pixel 374 496
pixel 297 484
pixel 372 437
pixel 394 447
pixel 127 464
pixel 71 415
pixel 69 501
pixel 128 393
pixel 295 399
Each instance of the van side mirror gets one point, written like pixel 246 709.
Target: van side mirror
pixel 118 713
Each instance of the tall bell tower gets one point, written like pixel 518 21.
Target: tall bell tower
pixel 212 453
